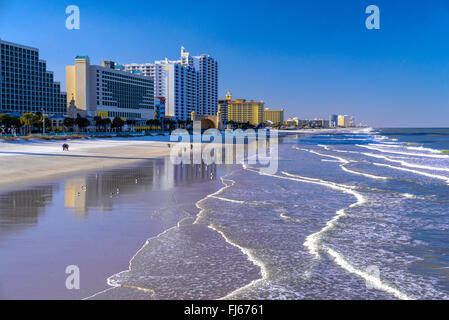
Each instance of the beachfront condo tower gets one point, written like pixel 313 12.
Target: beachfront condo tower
pixel 25 83
pixel 208 70
pixel 274 116
pixel 108 91
pixel 188 84
pixel 157 71
pixel 177 83
pixel 242 111
pixel 344 121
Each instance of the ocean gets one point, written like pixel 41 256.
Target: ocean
pixel 352 215
pixel 359 214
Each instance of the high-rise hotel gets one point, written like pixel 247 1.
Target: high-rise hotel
pixel 188 84
pixel 25 83
pixel 208 69
pixel 242 111
pixel 108 91
pixel 182 92
pixel 157 71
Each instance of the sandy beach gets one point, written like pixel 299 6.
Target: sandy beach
pixel 24 162
pixel 93 206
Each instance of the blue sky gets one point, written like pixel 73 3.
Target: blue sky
pixel 312 58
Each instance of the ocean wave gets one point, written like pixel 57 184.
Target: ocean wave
pixel 251 257
pixel 427 155
pixel 405 163
pixel 286 217
pixel 345 162
pixel 367 175
pixel 420 148
pixel 446 179
pixel 313 242
pixel 226 199
pixel 375 281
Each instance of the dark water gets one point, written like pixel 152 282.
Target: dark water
pixel 435 138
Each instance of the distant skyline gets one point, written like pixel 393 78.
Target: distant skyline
pixel 312 59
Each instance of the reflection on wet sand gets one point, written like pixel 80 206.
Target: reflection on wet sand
pixel 60 223
pixel 99 189
pixel 22 208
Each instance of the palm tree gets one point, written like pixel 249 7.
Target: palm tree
pixel 157 122
pixel 10 122
pixel 6 120
pixel 105 122
pixel 29 119
pixel 172 124
pixel 97 120
pixel 118 123
pixel 150 123
pixel 44 120
pixel 69 123
pixel 164 123
pixel 82 122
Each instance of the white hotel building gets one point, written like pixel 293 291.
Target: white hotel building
pixel 157 71
pixel 208 69
pixel 107 91
pixel 188 84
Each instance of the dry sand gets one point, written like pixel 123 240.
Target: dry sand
pixel 26 162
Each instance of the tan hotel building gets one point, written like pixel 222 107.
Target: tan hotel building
pixel 275 116
pixel 243 111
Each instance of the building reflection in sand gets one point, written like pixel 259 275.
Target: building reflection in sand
pixel 100 189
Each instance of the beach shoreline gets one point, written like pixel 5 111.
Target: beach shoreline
pixel 24 162
pixel 31 162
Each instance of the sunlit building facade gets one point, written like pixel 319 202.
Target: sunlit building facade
pixel 242 111
pixel 108 91
pixel 344 121
pixel 274 116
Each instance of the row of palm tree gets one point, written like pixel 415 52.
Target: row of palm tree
pixel 240 125
pixel 27 122
pixel 169 124
pixel 32 122
pixel 100 123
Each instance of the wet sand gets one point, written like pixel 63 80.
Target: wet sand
pixel 96 220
